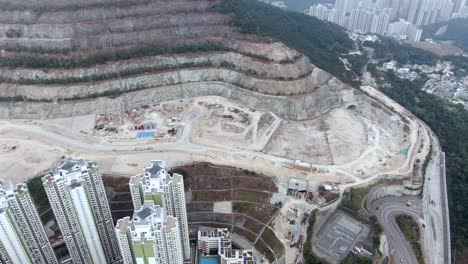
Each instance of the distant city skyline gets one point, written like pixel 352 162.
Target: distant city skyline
pixel 400 19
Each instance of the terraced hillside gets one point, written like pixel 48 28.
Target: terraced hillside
pixel 249 211
pixel 99 56
pixel 88 58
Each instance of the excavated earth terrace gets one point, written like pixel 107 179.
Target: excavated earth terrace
pixel 63 58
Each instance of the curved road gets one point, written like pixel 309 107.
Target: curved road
pixel 435 200
pixel 437 244
pixel 386 209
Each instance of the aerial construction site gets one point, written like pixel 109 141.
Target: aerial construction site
pixel 236 112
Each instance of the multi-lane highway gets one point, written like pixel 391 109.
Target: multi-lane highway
pixel 435 202
pixel 435 208
pixel 386 209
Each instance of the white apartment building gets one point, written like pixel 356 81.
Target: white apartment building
pixel 404 30
pixel 151 237
pixel 321 12
pixel 23 239
pixel 461 9
pixel 374 16
pixel 218 240
pixel 167 191
pixel 423 12
pixel 78 199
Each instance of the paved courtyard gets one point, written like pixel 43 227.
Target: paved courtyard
pixel 337 237
pixel 222 207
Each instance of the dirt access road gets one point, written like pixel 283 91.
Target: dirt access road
pixel 435 201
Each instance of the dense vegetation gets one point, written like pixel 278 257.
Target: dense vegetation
pixel 411 231
pixel 461 65
pixel 450 123
pixel 34 61
pixel 389 49
pixel 456 31
pixel 353 198
pixel 354 259
pixel 38 194
pixel 321 41
pixel 357 63
pixel 378 230
pixel 309 256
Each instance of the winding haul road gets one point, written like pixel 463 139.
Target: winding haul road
pixel 433 207
pixel 387 209
pixel 435 200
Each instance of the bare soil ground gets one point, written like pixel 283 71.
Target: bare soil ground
pixel 223 122
pixel 335 138
pixel 219 122
pixel 436 48
pixel 19 158
pixel 462 257
pixel 206 177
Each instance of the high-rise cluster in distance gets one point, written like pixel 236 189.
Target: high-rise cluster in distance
pixel 395 18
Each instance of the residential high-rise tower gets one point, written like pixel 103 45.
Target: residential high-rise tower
pixel 150 237
pixel 167 191
pixel 78 199
pixel 23 239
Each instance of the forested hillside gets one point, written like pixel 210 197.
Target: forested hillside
pixel 321 41
pixel 450 123
pixel 457 31
pixel 389 49
pixel 324 43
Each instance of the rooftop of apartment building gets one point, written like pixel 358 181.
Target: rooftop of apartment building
pixel 124 223
pixel 71 165
pixel 171 222
pixel 136 180
pixel 149 218
pixel 207 232
pixel 71 171
pixel 148 213
pixel 155 167
pixel 7 189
